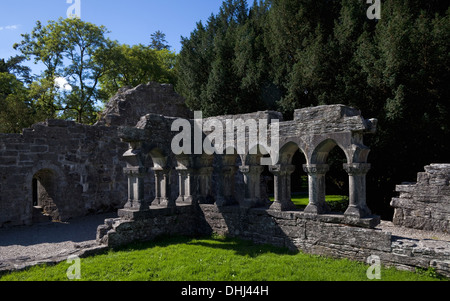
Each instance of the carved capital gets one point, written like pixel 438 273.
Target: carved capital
pixel 282 170
pixel 135 171
pixel 356 169
pixel 316 169
pixel 251 169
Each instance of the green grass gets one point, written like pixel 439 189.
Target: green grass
pixel 337 203
pixel 210 259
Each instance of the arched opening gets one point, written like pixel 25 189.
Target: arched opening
pixel 332 157
pixel 256 177
pixel 44 196
pixel 291 182
pixel 336 181
pixel 267 184
pixel 299 181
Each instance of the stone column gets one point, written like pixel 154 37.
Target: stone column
pixel 316 178
pixel 185 186
pixel 252 180
pixel 357 189
pixel 162 188
pixel 282 187
pixel 136 199
pixel 204 178
pixel 226 186
pixel 135 171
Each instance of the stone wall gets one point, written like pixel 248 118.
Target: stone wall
pixel 70 169
pixel 329 235
pixel 130 104
pixel 425 205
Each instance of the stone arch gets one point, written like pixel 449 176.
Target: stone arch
pixel 292 154
pixel 322 149
pixel 47 184
pixel 287 151
pixel 158 157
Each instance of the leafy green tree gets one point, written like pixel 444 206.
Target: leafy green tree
pixel 14 66
pixel 76 51
pixel 16 111
pixel 135 65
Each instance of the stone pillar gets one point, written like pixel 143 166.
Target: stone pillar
pixel 316 178
pixel 204 178
pixel 162 188
pixel 282 187
pixel 252 180
pixel 136 199
pixel 226 186
pixel 185 179
pixel 357 189
pixel 135 172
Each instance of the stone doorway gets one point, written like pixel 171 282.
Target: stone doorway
pixel 44 194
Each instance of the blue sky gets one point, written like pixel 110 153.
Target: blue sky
pixel 130 22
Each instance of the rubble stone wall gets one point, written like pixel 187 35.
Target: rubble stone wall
pixel 79 166
pixel 327 235
pixel 425 205
pixel 74 170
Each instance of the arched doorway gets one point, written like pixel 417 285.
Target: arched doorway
pixel 44 196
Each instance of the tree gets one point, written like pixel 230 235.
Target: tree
pixel 135 65
pixel 309 52
pixel 214 75
pixel 16 110
pixel 76 51
pixel 158 41
pixel 14 66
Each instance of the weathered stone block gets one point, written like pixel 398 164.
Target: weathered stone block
pixel 425 205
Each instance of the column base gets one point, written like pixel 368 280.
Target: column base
pixel 317 209
pixel 137 205
pixel 283 206
pixel 185 200
pixel 166 203
pixel 357 212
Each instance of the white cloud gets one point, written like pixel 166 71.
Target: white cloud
pixel 9 27
pixel 62 84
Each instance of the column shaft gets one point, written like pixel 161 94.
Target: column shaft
pixel 357 190
pixel 317 190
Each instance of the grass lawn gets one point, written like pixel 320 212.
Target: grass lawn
pixel 337 203
pixel 210 259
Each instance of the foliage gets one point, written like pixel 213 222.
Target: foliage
pixel 73 50
pixel 158 41
pixel 16 111
pixel 135 65
pixel 290 54
pixel 210 259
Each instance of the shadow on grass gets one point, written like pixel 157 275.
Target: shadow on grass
pixel 239 246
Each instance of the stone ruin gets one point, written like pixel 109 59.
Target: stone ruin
pixel 125 163
pixel 425 205
pixel 67 170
